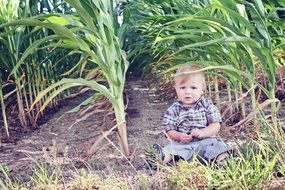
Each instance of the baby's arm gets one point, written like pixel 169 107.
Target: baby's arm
pixel 214 120
pixel 179 137
pixel 208 131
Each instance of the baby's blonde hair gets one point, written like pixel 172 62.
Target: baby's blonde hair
pixel 182 76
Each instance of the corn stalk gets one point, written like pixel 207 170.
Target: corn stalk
pixel 3 108
pixel 8 12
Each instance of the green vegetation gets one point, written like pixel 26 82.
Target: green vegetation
pixel 259 166
pixel 53 49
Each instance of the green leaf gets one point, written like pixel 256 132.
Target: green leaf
pixel 31 49
pixel 58 20
pixel 64 84
pixel 86 102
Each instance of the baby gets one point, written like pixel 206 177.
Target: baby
pixel 192 121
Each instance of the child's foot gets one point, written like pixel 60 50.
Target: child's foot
pixel 154 156
pixel 221 159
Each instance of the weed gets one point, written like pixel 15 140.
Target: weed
pixel 143 181
pixel 85 180
pixel 7 183
pixel 253 169
pixel 187 175
pixel 45 177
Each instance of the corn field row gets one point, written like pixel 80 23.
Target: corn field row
pixel 50 49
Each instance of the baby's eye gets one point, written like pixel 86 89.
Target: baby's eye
pixel 193 87
pixel 182 87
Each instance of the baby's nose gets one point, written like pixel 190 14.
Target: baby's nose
pixel 188 91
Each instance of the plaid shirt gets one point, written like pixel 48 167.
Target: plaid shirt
pixel 184 119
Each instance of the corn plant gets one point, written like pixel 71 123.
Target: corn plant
pixel 91 30
pixel 217 33
pixel 9 12
pixel 26 60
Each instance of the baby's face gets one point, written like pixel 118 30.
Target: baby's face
pixel 190 90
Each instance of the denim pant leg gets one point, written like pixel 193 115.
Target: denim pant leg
pixel 186 151
pixel 213 149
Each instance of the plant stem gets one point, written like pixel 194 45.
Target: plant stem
pixel 119 109
pixel 22 117
pixel 230 103
pixel 3 107
pixel 242 105
pixel 216 85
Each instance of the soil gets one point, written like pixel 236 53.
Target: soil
pixel 64 143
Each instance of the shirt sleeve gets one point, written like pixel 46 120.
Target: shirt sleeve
pixel 169 121
pixel 213 114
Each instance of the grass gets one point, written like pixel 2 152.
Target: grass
pixel 84 179
pixel 253 170
pixel 188 176
pixel 256 168
pixel 6 183
pixel 45 177
pixel 260 165
pixel 244 174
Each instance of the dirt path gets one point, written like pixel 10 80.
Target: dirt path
pixel 58 144
pixel 144 114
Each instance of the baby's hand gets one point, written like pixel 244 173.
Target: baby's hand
pixel 184 138
pixel 197 133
